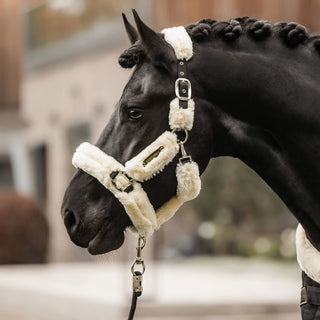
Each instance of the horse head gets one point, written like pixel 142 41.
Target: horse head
pixel 92 215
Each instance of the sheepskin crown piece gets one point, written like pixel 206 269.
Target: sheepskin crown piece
pixel 124 181
pixel 180 41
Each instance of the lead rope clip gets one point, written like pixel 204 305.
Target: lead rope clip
pixel 137 276
pixel 184 156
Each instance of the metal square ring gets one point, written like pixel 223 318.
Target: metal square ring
pixel 116 174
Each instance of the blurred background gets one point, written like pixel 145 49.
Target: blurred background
pixel 59 81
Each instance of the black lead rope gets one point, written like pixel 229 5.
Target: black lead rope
pixel 137 277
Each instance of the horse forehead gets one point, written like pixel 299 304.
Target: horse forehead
pixel 146 80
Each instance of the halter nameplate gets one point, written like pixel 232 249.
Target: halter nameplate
pixel 124 181
pixel 141 170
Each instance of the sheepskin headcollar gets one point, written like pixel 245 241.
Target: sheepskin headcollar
pixel 124 181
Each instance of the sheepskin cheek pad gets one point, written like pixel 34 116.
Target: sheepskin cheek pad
pixel 180 118
pixel 152 160
pixel 188 188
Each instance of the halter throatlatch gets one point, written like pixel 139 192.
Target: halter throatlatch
pixel 125 181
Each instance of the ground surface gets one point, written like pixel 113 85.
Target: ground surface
pixel 206 289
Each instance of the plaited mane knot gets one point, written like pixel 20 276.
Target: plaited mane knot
pixel 232 30
pixel 260 29
pixel 132 56
pixel 201 29
pixel 293 33
pixel 245 20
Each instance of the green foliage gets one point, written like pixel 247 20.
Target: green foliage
pixel 242 207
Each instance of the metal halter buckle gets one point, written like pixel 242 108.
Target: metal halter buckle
pixel 177 84
pixel 128 187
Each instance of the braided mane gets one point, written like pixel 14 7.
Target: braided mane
pixel 291 34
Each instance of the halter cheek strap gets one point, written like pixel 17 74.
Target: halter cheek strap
pixel 124 181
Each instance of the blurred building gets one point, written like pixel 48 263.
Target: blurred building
pixel 183 12
pixel 71 83
pixel 71 80
pixel 14 164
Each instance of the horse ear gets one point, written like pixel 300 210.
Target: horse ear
pixel 130 29
pixel 157 49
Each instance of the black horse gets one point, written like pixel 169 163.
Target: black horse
pixel 255 87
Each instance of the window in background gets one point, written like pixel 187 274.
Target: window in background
pixel 39 159
pixel 6 174
pixel 77 134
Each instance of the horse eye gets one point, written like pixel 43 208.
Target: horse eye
pixel 135 114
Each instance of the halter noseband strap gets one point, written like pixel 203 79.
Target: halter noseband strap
pixel 125 181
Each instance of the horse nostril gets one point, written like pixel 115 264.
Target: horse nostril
pixel 70 219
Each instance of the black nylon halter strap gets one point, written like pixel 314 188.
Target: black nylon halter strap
pixel 183 86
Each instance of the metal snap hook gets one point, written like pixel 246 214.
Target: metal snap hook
pixel 139 261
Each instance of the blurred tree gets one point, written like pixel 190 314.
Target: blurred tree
pixel 242 207
pixel 232 193
pixel 23 230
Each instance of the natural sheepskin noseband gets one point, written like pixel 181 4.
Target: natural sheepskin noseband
pixel 124 181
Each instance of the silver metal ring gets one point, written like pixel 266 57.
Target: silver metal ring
pixel 186 135
pixel 137 263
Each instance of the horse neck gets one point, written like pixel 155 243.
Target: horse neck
pixel 262 85
pixel 266 113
